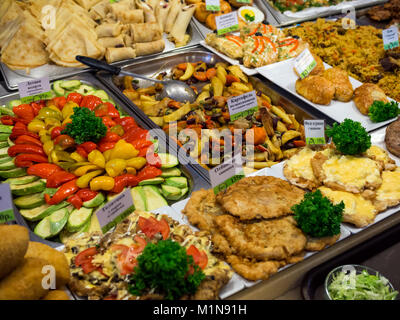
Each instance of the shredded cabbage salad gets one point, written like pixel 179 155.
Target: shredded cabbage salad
pixel 362 286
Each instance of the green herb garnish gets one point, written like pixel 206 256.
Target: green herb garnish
pixel 166 267
pixel 317 216
pixel 349 137
pixel 380 111
pixel 363 286
pixel 85 126
pixel 249 17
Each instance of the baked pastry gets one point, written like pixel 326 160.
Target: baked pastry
pixel 317 89
pixel 366 94
pixel 341 81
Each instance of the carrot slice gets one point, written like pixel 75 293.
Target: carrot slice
pixel 296 45
pixel 256 44
pixel 174 104
pixel 234 41
pixel 271 43
pixel 262 45
pixel 211 72
pixel 230 79
pixel 201 76
pixel 264 28
pixel 237 38
pixel 254 31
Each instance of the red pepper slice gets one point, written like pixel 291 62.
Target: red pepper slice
pixel 60 102
pixel 108 122
pixel 24 111
pixel 36 108
pixel 110 137
pixel 126 122
pixel 56 131
pixel 82 152
pixel 27 159
pixel 88 146
pixel 67 189
pixel 148 172
pixel 112 111
pixel 86 194
pixel 25 139
pixel 58 178
pixel 7 120
pixel 106 146
pixel 123 181
pixel 43 170
pixel 140 143
pixel 25 148
pixel 76 201
pixel 75 97
pixel 135 133
pixel 153 158
pixel 90 102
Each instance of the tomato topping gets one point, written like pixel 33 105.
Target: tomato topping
pixel 127 257
pixel 200 257
pixel 151 226
pixel 84 260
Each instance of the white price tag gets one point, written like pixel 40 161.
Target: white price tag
pixel 390 38
pixel 213 5
pixel 115 210
pixel 227 173
pixel 304 63
pixel 34 90
pixel 314 131
pixel 227 23
pixel 243 105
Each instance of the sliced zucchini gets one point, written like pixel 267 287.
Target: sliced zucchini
pixel 171 172
pixel 184 191
pixel 4 152
pixel 95 202
pixel 42 211
pixel 170 192
pixel 157 180
pixel 94 224
pixel 14 103
pixel 30 201
pixel 13 173
pixel 59 91
pixel 6 129
pixel 101 94
pixel 21 180
pixel 84 89
pixel 29 188
pixel 4 136
pixel 7 165
pixel 10 143
pixel 153 198
pixel 139 198
pixel 179 182
pixel 78 218
pixel 3 144
pixel 70 84
pixel 6 111
pixel 168 160
pixel 42 229
pixel 58 219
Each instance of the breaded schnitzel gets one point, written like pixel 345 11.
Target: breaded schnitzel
pixel 260 197
pixel 275 239
pixel 318 244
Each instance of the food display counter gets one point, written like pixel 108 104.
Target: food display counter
pixel 285 165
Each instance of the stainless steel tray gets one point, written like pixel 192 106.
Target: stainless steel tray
pixel 54 72
pixel 196 181
pixel 284 20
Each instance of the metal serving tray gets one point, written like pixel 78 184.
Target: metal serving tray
pixel 284 20
pixel 54 72
pixel 196 181
pixel 165 62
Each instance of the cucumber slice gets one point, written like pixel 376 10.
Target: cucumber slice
pixel 29 201
pixel 43 228
pixel 6 129
pixel 78 218
pixel 184 191
pixel 95 202
pixel 168 160
pixel 13 103
pixel 4 152
pixel 171 172
pixel 13 173
pixel 139 198
pixel 70 84
pixel 58 219
pixel 21 180
pixel 157 180
pixel 4 136
pixel 101 94
pixel 179 182
pixel 153 198
pixel 170 192
pixel 6 111
pixel 42 211
pixel 58 90
pixel 84 89
pixel 7 165
pixel 29 188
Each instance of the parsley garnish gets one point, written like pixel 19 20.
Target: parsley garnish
pixel 380 111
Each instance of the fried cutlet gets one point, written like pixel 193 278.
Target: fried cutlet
pixel 275 239
pixel 318 244
pixel 382 157
pixel 260 197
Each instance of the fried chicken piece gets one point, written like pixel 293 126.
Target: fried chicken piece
pixel 382 157
pixel 366 94
pixel 318 244
pixel 392 138
pixel 254 270
pixel 275 239
pixel 388 194
pixel 210 287
pixel 341 82
pixel 201 209
pixel 316 89
pixel 260 197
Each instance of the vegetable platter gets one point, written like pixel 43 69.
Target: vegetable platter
pixel 282 74
pixel 56 185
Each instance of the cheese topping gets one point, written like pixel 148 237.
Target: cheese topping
pixel 390 188
pixel 353 203
pixel 300 164
pixel 352 171
pixel 378 153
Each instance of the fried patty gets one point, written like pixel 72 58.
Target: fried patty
pixel 392 138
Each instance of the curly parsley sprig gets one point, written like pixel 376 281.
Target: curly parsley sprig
pixel 380 111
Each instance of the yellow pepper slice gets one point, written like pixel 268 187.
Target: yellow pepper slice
pixel 123 150
pixel 131 170
pixel 137 163
pixel 36 125
pixel 83 181
pixel 97 158
pixel 77 157
pixel 48 147
pixel 107 154
pixel 115 167
pixel 102 183
pixel 68 109
pixel 84 169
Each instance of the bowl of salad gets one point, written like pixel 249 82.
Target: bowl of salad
pixel 356 282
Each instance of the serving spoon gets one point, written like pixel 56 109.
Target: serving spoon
pixel 174 89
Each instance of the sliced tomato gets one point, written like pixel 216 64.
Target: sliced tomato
pixel 88 267
pixel 127 258
pixel 148 226
pixel 84 260
pixel 200 257
pixel 164 228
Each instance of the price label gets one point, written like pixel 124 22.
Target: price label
pixel 213 5
pixel 227 173
pixel 243 105
pixel 304 63
pixel 34 90
pixel 314 131
pixel 227 23
pixel 6 207
pixel 115 210
pixel 390 38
